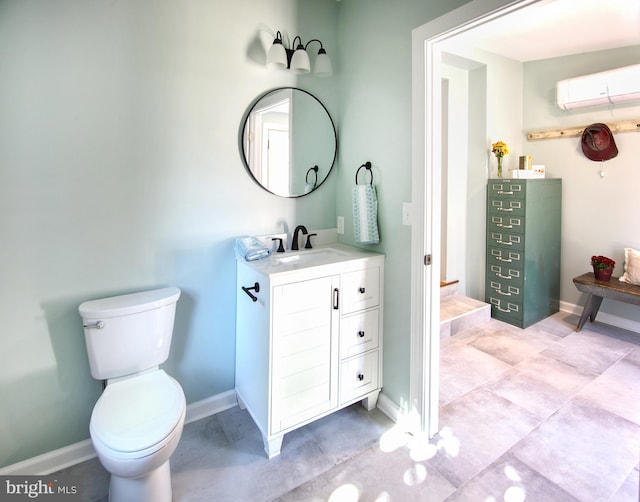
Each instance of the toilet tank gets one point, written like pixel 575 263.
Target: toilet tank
pixel 129 333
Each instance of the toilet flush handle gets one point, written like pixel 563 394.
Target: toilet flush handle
pixel 96 325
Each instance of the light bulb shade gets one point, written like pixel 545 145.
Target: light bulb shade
pixel 322 65
pixel 300 62
pixel 277 56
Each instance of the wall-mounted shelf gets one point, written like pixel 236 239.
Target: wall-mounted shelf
pixel 570 132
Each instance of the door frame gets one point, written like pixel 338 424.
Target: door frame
pixel 426 157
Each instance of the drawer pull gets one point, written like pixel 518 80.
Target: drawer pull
pixel 361 334
pixel 504 193
pixel 499 291
pixel 504 276
pixel 361 290
pixel 504 260
pixel 336 299
pixel 505 209
pixel 504 226
pixel 360 377
pixel 503 310
pixel 505 243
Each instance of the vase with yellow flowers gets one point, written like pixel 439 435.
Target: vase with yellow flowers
pixel 499 149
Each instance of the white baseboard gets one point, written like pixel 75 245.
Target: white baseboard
pixel 403 419
pixel 80 452
pixel 210 406
pixel 389 408
pixel 52 461
pixel 618 322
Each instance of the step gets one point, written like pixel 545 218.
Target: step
pixel 459 313
pixel 448 288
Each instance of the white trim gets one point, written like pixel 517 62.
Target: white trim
pixel 82 451
pixel 210 406
pixel 52 461
pixel 603 317
pixel 425 232
pixel 389 408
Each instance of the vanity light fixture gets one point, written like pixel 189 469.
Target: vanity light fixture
pixel 297 60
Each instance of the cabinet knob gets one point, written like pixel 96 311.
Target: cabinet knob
pixel 360 377
pixel 361 290
pixel 361 334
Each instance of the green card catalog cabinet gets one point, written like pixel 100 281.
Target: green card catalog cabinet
pixel 523 249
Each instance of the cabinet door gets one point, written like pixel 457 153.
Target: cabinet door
pixel 305 351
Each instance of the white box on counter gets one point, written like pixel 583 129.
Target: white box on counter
pixel 534 173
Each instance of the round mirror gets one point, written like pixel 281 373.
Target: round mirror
pixel 289 142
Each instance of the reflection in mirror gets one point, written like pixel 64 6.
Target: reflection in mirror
pixel 289 142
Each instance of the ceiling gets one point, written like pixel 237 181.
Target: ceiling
pixel 553 28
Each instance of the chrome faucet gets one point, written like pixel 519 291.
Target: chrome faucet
pixel 294 241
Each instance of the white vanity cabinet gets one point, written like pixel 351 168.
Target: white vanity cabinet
pixel 311 342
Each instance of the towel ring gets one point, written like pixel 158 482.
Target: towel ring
pixel 315 170
pixel 367 166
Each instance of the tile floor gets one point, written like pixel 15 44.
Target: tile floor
pixel 542 414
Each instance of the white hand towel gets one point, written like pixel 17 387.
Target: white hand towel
pixel 365 214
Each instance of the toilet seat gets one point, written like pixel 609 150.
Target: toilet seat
pixel 138 414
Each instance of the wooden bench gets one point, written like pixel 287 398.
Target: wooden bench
pixel 598 290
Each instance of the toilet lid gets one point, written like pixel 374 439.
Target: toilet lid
pixel 136 413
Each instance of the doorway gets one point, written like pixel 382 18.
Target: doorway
pixel 426 235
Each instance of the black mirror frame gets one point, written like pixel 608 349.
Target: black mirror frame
pixel 242 133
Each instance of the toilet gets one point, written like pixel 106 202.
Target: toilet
pixel 137 422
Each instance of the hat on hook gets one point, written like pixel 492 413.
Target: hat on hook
pixel 598 143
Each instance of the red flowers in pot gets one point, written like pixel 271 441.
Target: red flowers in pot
pixel 602 267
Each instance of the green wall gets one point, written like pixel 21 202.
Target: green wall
pixel 375 118
pixel 120 171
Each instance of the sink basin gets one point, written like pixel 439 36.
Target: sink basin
pixel 309 256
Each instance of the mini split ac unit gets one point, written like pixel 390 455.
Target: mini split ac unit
pixel 608 87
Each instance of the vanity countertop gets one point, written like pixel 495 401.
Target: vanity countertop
pixel 326 255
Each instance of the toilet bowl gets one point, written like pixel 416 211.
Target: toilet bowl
pixel 135 428
pixel 137 422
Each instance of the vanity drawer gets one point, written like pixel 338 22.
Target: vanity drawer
pixel 358 376
pixel 359 333
pixel 360 290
